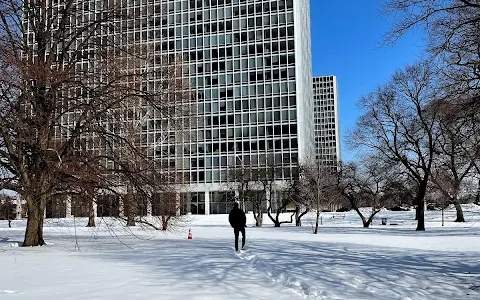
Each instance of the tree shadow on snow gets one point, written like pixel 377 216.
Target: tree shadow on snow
pixel 210 266
pixel 354 271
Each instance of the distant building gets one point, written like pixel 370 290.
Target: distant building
pixel 326 117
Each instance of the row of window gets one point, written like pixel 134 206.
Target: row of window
pixel 237 6
pixel 327 105
pixel 234 76
pixel 267 102
pixel 222 175
pixel 268 50
pixel 323 86
pixel 323 109
pixel 244 9
pixel 324 92
pixel 268 79
pixel 325 138
pixel 232 69
pixel 246 91
pixel 325 126
pixel 267 33
pixel 325 120
pixel 247 119
pixel 323 79
pixel 241 160
pixel 234 146
pixel 204 23
pixel 321 115
pixel 244 77
pixel 229 160
pixel 138 16
pixel 286 144
pixel 246 132
pixel 324 100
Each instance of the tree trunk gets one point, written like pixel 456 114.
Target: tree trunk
pixel 365 223
pixel 420 212
pixel 458 207
pixel 298 220
pixel 129 206
pixel 91 213
pixel 34 231
pixel 453 198
pixel 275 222
pixel 259 218
pixel 130 218
pixel 165 223
pixel 316 222
pixel 370 219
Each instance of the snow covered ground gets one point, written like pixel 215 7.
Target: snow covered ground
pixel 343 261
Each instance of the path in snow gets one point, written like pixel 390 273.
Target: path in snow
pixel 299 287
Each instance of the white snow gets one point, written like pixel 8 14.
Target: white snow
pixel 343 261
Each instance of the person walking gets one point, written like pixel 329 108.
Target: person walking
pixel 238 222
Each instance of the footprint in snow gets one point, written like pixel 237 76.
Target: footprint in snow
pixel 298 286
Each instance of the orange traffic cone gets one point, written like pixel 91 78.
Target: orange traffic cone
pixel 190 234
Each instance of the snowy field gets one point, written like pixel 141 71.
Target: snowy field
pixel 343 261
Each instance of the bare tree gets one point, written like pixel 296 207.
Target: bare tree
pixel 363 185
pixel 169 208
pixel 244 180
pixel 319 187
pixel 277 194
pixel 452 28
pixel 262 189
pixel 69 96
pixel 398 125
pixel 458 150
pixel 296 193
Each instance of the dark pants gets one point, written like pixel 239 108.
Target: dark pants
pixel 236 231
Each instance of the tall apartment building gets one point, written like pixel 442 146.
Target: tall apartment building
pixel 327 128
pixel 249 63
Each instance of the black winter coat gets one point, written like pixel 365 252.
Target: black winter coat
pixel 237 218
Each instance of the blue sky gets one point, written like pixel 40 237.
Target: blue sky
pixel 347 42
